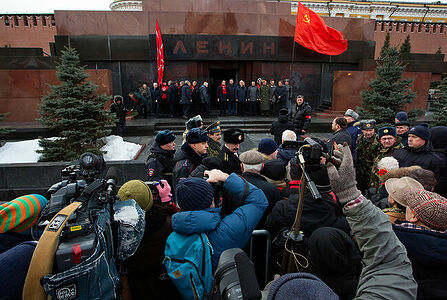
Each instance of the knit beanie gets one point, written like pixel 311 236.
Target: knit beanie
pixel 21 213
pixel 194 194
pixel 300 286
pixel 421 131
pixel 267 146
pixel 137 190
pixel 401 118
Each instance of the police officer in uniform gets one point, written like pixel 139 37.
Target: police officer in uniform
pixel 229 154
pixel 191 154
pixel 215 135
pixel 160 161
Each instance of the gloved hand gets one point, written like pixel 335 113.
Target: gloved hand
pixel 164 190
pixel 343 181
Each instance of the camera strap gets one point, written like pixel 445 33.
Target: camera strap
pixel 43 257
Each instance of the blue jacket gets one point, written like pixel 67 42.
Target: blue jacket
pixel 241 93
pixel 354 131
pixel 286 155
pixel 235 229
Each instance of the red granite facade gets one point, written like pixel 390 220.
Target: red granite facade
pixel 21 91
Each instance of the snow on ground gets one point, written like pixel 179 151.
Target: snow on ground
pixel 117 149
pixel 25 151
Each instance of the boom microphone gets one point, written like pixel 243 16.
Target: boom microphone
pixel 112 178
pixel 247 277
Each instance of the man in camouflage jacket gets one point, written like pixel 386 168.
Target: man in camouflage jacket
pixel 367 149
pixel 389 141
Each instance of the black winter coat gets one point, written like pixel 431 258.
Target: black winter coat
pixel 301 117
pixel 316 213
pixel 159 164
pixel 231 92
pixel 423 157
pixel 278 127
pixel 439 142
pixel 172 93
pixel 185 94
pixel 220 94
pixel 156 94
pixel 339 137
pixel 281 94
pixel 195 95
pixel 426 250
pixel 204 95
pixel 185 162
pixel 231 163
pixel 271 192
pixel 241 93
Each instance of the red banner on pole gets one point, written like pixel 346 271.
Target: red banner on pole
pixel 160 59
pixel 312 33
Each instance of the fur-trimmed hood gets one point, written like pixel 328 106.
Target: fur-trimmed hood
pixel 398 173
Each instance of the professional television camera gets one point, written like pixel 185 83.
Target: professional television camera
pixel 81 184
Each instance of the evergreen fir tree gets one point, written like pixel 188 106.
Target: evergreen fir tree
pixel 439 106
pixel 406 46
pixel 74 112
pixel 4 131
pixel 439 51
pixel 386 46
pixel 388 93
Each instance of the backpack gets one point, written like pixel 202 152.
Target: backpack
pixel 188 264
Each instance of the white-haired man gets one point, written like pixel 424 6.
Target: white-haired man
pixel 287 149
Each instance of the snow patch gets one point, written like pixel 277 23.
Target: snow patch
pixel 118 149
pixel 25 151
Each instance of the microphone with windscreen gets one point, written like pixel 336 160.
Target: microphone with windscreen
pixel 112 176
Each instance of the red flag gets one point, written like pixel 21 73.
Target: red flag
pixel 160 59
pixel 312 33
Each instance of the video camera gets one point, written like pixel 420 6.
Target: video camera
pixel 80 184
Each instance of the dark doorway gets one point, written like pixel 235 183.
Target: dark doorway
pixel 216 77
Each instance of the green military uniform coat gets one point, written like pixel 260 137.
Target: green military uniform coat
pixel 213 148
pixel 365 154
pixel 383 152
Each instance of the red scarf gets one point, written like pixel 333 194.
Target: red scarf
pixel 224 89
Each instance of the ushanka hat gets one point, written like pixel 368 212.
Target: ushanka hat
pixel 196 135
pixel 194 122
pixel 367 124
pixel 164 137
pixel 352 113
pixel 233 136
pixel 387 131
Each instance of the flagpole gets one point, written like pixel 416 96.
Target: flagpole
pixel 293 56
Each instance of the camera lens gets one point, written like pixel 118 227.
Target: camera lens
pixel 88 160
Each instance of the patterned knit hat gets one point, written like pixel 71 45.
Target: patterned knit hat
pixel 430 208
pixel 137 190
pixel 194 194
pixel 21 213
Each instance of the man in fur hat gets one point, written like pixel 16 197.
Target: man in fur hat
pixel 229 154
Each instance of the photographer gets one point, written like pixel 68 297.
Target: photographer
pixel 387 271
pixel 195 198
pixel 324 212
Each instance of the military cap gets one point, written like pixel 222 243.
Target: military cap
pixel 233 136
pixel 196 135
pixel 367 124
pixel 251 157
pixel 387 131
pixel 215 127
